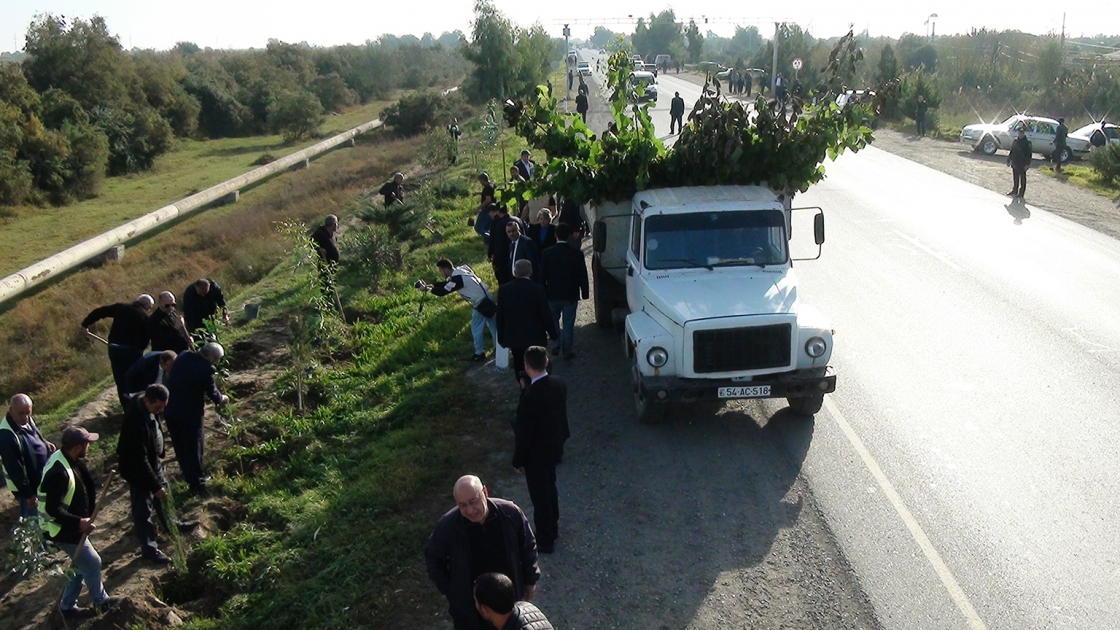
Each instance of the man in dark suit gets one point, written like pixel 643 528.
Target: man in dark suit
pixel 523 316
pixel 191 381
pixel 151 369
pixel 522 247
pixel 564 276
pixel 676 113
pixel 201 301
pixel 498 247
pixel 525 165
pixel 540 432
pixel 166 327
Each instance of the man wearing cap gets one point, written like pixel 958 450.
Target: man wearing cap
pixel 68 498
pixel 128 336
pixel 24 452
pixel 191 381
pixel 139 451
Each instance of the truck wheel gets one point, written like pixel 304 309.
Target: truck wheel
pixel 603 304
pixel 806 406
pixel 649 411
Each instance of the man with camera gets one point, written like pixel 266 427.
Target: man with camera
pixel 465 282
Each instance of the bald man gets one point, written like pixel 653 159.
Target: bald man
pixel 24 452
pixel 480 535
pixel 166 327
pixel 128 337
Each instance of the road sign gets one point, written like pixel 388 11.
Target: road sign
pixel 797 63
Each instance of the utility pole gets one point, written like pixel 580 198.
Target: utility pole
pixel 567 67
pixel 774 73
pixel 1062 44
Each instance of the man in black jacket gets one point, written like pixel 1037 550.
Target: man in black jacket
pixel 393 190
pixel 23 452
pixel 523 316
pixel 201 301
pixel 166 328
pixel 564 276
pixel 152 369
pixel 522 247
pixel 1019 159
pixel 191 381
pixel 139 451
pixel 1061 136
pixel 676 113
pixel 499 245
pixel 539 433
pixel 68 497
pixel 480 535
pixel 325 238
pixel 128 337
pixel 496 600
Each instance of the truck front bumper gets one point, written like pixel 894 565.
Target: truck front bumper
pixel 797 384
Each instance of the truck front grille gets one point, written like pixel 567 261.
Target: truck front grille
pixel 737 349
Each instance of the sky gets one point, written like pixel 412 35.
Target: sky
pixel 251 23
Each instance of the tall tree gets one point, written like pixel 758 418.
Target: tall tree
pixel 888 65
pixel 1049 64
pixel 602 37
pixel 492 49
pixel 695 41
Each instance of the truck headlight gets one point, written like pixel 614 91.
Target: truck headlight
pixel 815 347
pixel 657 357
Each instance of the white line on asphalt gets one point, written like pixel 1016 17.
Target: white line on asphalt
pixel 939 566
pixel 925 248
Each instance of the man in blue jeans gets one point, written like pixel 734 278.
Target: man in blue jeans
pixel 68 498
pixel 465 282
pixel 564 276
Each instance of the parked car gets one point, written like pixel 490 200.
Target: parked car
pixel 987 138
pixel 649 81
pixel 649 67
pixel 584 69
pixel 1086 138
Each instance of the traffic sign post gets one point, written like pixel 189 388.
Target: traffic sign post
pixel 797 63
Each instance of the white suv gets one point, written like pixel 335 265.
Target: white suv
pixel 987 138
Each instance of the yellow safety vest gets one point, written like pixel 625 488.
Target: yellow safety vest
pixel 6 426
pixel 46 521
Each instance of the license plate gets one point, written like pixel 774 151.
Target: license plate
pixel 753 391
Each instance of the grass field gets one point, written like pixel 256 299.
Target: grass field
pixel 193 166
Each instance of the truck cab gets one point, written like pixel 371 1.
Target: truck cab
pixel 701 281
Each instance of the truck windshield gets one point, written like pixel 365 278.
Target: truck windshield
pixel 711 239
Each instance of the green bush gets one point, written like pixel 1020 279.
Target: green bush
pixel 415 113
pixel 136 136
pixel 295 115
pixel 1106 162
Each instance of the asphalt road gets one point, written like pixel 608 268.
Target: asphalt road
pixel 967 462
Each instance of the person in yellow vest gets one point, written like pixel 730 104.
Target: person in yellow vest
pixel 68 497
pixel 23 452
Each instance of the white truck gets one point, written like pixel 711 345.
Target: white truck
pixel 701 281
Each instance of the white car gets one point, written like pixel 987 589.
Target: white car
pixel 987 138
pixel 649 81
pixel 1086 138
pixel 584 69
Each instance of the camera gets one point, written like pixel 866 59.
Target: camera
pixel 419 284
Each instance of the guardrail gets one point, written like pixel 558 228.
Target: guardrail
pixel 228 190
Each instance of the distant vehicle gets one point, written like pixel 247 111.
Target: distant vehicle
pixel 572 58
pixel 602 51
pixel 1092 136
pixel 647 79
pixel 663 61
pixel 584 69
pixel 649 67
pixel 987 138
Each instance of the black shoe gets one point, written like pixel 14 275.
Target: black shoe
pixel 109 603
pixel 185 527
pixel 157 556
pixel 556 351
pixel 478 357
pixel 77 612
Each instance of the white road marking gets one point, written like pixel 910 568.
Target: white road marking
pixel 1097 347
pixel 925 248
pixel 939 566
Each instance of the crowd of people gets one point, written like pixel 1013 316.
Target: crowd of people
pixel 162 377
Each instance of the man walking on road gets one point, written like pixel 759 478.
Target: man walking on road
pixel 480 535
pixel 523 317
pixel 24 453
pixel 190 381
pixel 1019 159
pixel 676 113
pixel 539 433
pixel 496 600
pixel 564 276
pixel 582 105
pixel 139 451
pixel 201 301
pixel 128 337
pixel 69 498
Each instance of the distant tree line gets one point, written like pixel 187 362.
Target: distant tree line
pixel 79 107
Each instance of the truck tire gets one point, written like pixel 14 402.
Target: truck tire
pixel 603 302
pixel 807 406
pixel 649 411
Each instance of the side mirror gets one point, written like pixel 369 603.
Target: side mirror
pixel 599 237
pixel 818 228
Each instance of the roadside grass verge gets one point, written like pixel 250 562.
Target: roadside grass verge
pixel 193 166
pixel 1085 177
pixel 48 357
pixel 338 500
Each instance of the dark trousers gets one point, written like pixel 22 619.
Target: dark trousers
pixel 188 442
pixel 142 501
pixel 121 358
pixel 518 362
pixel 1057 155
pixel 921 120
pixel 546 503
pixel 675 123
pixel 502 272
pixel 1019 179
